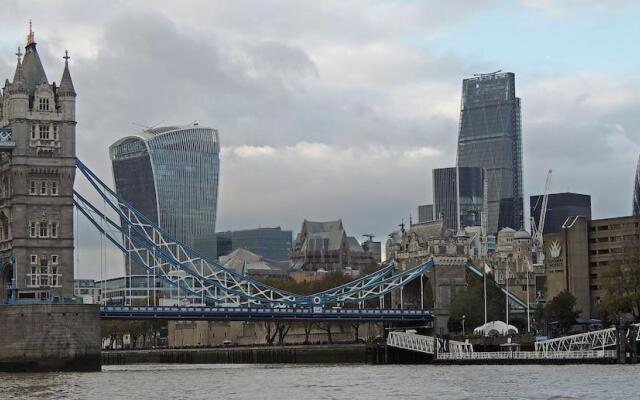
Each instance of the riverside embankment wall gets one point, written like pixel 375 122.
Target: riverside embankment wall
pixel 50 337
pixel 333 354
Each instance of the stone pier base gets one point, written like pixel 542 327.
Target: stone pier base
pixel 50 337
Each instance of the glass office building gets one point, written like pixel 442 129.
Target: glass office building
pixel 445 196
pixel 560 206
pixel 425 213
pixel 490 137
pixel 636 192
pixel 271 243
pixel 171 175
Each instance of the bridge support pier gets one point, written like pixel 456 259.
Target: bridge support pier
pixel 50 337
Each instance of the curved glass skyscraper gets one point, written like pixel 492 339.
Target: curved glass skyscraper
pixel 491 138
pixel 636 192
pixel 171 175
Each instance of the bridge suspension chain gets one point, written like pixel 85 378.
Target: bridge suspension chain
pixel 185 268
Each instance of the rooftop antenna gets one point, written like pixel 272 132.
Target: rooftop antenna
pixel 147 127
pixel 488 74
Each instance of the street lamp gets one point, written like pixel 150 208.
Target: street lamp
pixel 463 317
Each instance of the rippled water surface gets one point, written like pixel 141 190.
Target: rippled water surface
pixel 306 382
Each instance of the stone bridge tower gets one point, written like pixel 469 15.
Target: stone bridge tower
pixel 37 170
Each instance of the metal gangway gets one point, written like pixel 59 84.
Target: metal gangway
pixel 588 341
pixel 409 340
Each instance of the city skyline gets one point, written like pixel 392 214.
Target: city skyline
pixel 272 93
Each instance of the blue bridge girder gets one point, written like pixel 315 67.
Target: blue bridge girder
pixel 262 314
pixel 183 267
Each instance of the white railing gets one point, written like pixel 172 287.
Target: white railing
pixel 591 340
pixel 411 341
pixel 425 344
pixel 459 347
pixel 529 355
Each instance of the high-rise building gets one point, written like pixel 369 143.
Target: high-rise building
pixel 636 192
pixel 425 213
pixel 560 206
pixel 271 243
pixel 471 194
pixel 37 171
pixel 170 174
pixel 490 137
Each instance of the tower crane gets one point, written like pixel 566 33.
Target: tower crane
pixel 537 231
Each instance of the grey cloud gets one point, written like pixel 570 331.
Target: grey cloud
pixel 338 77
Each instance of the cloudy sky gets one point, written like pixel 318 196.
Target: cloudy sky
pixel 340 109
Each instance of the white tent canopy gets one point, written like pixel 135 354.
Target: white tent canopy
pixel 495 328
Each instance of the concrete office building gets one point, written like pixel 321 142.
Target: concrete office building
pixel 576 257
pixel 470 193
pixel 171 175
pixel 560 206
pixel 490 137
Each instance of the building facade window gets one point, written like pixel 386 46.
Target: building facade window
pixel 55 132
pixel 33 131
pixel 54 229
pixel 32 187
pixel 34 259
pixel 33 229
pixel 43 188
pixel 44 132
pixel 43 104
pixel 44 273
pixel 54 188
pixel 44 230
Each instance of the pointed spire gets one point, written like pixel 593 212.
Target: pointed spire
pixel 33 71
pixel 30 37
pixel 66 84
pixel 18 84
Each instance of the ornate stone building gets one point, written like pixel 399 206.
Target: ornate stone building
pixel 37 170
pixel 325 246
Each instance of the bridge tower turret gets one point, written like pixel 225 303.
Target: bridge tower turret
pixel 36 182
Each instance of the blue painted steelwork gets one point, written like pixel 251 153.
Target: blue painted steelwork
pixel 188 270
pixel 262 313
pixel 512 297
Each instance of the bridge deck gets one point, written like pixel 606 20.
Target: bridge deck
pixel 261 313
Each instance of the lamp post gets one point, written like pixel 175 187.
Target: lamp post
pixel 463 317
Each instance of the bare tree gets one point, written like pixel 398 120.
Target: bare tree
pixel 327 328
pixel 307 331
pixel 271 332
pixel 282 329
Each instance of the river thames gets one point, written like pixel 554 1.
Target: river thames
pixel 309 382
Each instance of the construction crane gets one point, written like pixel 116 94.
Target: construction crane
pixel 537 231
pixel 370 236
